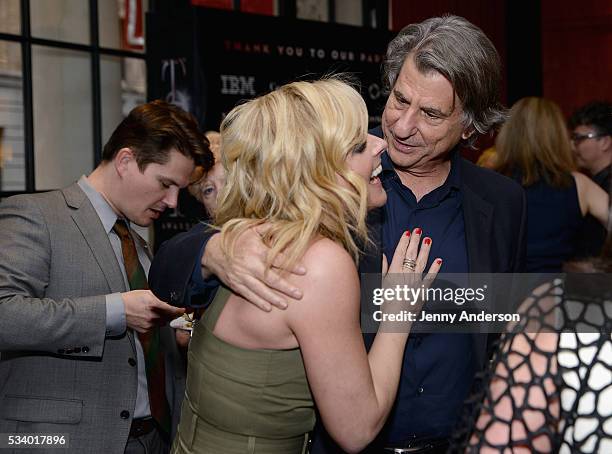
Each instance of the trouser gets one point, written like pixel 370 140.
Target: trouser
pixel 151 442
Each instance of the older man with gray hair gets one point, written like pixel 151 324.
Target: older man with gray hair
pixel 443 80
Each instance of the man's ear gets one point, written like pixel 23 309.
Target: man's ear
pixel 466 134
pixel 122 160
pixel 606 143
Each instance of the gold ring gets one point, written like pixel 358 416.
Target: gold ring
pixel 409 264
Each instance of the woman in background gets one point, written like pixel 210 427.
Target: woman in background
pixel 533 147
pixel 549 386
pixel 208 186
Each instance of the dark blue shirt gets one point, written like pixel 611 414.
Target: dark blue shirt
pixel 438 369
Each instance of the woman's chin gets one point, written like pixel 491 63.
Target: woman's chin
pixel 377 197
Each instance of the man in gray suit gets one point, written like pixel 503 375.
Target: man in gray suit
pixel 81 353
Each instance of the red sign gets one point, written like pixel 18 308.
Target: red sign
pixel 132 25
pixel 219 4
pixel 246 6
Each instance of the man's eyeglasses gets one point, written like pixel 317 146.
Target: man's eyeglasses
pixel 578 138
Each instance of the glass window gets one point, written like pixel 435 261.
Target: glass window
pixel 122 24
pixel 62 20
pixel 123 87
pixel 312 10
pixel 10 17
pixel 12 155
pixel 349 12
pixel 63 137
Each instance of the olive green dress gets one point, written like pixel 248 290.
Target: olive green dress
pixel 241 401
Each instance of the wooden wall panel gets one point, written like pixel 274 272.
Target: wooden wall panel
pixel 576 51
pixel 489 15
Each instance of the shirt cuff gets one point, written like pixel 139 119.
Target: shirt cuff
pixel 200 292
pixel 115 315
pixel 197 283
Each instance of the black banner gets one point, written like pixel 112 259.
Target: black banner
pixel 208 60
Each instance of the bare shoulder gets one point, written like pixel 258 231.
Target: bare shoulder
pixel 331 274
pixel 586 187
pixel 327 256
pixel 580 178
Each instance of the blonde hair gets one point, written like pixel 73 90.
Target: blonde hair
pixel 285 153
pixel 535 142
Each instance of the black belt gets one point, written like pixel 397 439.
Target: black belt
pixel 142 426
pixel 429 446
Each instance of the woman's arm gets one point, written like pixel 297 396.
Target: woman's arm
pixel 592 198
pixel 520 408
pixel 354 391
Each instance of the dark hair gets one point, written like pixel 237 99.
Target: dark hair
pixel 461 52
pixel 151 130
pixel 597 114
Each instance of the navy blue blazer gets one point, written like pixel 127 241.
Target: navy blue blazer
pixel 173 265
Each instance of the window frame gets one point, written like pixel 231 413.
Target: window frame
pixel 95 51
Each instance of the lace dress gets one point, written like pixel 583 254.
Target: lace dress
pixel 549 387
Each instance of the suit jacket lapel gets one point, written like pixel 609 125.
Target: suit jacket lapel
pixel 88 222
pixel 478 219
pixel 86 219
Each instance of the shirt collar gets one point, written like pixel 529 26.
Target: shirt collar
pixel 104 211
pixel 454 176
pixel 452 181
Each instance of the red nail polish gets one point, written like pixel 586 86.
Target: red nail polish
pixel 427 241
pixel 417 231
pixel 439 261
pixel 407 232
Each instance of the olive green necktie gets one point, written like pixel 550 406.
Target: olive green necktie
pixel 154 358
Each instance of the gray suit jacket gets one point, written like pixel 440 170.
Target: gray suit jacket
pixel 58 371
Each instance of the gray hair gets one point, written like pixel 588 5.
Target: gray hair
pixel 461 52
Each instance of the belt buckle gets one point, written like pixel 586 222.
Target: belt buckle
pixel 140 427
pixel 409 449
pixel 402 450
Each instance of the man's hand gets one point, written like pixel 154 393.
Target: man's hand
pixel 247 274
pixel 144 311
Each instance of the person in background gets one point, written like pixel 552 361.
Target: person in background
pixel 82 353
pixel 214 138
pixel 591 134
pixel 548 388
pixel 207 187
pixel 487 159
pixel 533 147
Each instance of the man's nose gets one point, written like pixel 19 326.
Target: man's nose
pixel 573 145
pixel 406 124
pixel 171 198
